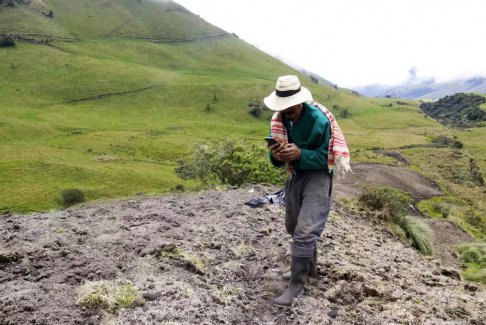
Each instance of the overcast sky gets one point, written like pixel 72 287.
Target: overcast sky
pixel 358 42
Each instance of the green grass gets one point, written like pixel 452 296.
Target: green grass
pixel 474 256
pixel 92 18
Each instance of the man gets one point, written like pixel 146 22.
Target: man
pixel 304 130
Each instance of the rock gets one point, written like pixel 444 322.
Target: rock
pixel 471 287
pixel 396 295
pixel 151 296
pixel 139 302
pixel 333 313
pixel 373 290
pixel 451 273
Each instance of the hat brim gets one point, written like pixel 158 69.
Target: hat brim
pixel 278 104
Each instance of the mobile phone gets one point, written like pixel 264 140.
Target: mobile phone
pixel 270 141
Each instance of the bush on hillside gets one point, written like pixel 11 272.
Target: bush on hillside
pixel 255 108
pixel 392 205
pixel 230 162
pixel 445 141
pixel 474 256
pixel 475 253
pixel 314 79
pixel 389 203
pixel 459 110
pixel 345 114
pixel 7 41
pixel 71 197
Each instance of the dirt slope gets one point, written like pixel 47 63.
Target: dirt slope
pixel 366 276
pixel 385 175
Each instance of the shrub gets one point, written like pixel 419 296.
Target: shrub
pixel 345 113
pixel 418 233
pixel 255 108
pixel 471 254
pixel 230 162
pixel 7 41
pixel 445 141
pixel 107 295
pixel 390 203
pixel 71 197
pixel 474 255
pixel 179 188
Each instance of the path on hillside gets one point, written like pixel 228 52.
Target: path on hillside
pixel 366 276
pixel 47 39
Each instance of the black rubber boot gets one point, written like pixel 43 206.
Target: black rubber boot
pixel 313 265
pixel 298 274
pixel 312 268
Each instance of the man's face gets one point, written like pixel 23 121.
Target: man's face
pixel 293 112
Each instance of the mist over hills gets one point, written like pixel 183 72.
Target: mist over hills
pixel 428 89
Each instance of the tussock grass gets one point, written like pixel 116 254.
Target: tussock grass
pixel 226 294
pixel 418 233
pixel 107 295
pixel 243 249
pixel 197 264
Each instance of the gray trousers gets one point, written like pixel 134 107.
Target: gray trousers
pixel 307 206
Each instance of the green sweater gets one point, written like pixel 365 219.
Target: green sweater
pixel 311 133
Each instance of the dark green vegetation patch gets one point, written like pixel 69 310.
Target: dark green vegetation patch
pixel 459 110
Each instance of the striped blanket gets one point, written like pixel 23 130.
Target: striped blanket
pixel 338 153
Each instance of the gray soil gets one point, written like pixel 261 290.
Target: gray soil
pixel 385 175
pixel 366 275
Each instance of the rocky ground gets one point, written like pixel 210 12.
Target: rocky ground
pixel 366 275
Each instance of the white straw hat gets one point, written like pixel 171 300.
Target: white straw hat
pixel 287 93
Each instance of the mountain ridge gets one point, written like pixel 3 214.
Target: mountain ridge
pixel 84 19
pixel 428 89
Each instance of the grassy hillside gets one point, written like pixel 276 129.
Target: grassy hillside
pixel 100 19
pixel 112 116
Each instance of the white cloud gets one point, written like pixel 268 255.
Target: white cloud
pixel 355 42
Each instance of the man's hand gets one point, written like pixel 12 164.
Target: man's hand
pixel 289 153
pixel 275 149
